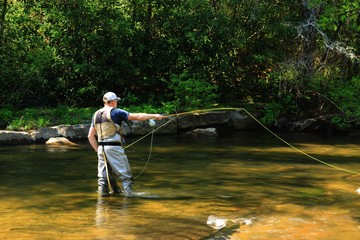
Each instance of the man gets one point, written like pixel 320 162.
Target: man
pixel 112 160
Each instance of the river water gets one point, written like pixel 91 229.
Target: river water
pixel 239 186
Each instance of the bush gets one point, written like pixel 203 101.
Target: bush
pixel 191 93
pixel 6 115
pixel 277 108
pixel 31 118
pixel 346 96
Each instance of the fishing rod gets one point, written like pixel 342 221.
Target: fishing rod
pixel 176 115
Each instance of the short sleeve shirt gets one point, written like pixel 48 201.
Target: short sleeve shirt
pixel 118 115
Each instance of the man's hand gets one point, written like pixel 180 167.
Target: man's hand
pixel 158 117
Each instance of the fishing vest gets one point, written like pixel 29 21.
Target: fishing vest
pixel 104 125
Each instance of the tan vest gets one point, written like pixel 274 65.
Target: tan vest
pixel 105 127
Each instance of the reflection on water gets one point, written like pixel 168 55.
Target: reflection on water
pixel 243 186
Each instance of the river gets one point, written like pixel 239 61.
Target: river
pixel 240 186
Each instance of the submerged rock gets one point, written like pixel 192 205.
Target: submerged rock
pixel 202 132
pixel 60 141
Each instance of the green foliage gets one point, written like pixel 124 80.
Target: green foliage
pixel 272 112
pixel 31 118
pixel 347 98
pixel 28 124
pixel 68 52
pixel 144 108
pixel 276 109
pixel 6 115
pixel 130 99
pixel 174 54
pixel 191 93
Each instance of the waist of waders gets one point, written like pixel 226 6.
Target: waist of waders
pixel 109 143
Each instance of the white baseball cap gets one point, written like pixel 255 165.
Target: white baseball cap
pixel 110 96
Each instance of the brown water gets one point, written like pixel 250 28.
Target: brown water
pixel 248 185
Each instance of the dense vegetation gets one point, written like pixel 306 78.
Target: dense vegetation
pixel 298 59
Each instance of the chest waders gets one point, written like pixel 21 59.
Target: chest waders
pixel 111 190
pixel 107 168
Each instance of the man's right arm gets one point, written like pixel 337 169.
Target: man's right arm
pixel 144 116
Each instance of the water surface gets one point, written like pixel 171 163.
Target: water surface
pixel 242 186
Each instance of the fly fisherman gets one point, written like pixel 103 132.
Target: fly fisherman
pixel 104 136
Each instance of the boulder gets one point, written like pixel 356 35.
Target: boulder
pixel 125 128
pixel 41 135
pixel 165 126
pixel 14 137
pixel 66 131
pixel 242 121
pixel 139 127
pixel 203 119
pixel 203 123
pixel 143 127
pixel 81 130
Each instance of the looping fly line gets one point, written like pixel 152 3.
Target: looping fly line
pixel 175 116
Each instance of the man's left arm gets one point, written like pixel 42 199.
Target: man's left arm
pixel 92 138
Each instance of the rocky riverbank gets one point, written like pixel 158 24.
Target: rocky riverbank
pixel 207 124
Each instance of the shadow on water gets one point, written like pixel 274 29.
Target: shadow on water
pixel 52 192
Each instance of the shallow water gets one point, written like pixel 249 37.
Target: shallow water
pixel 243 186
